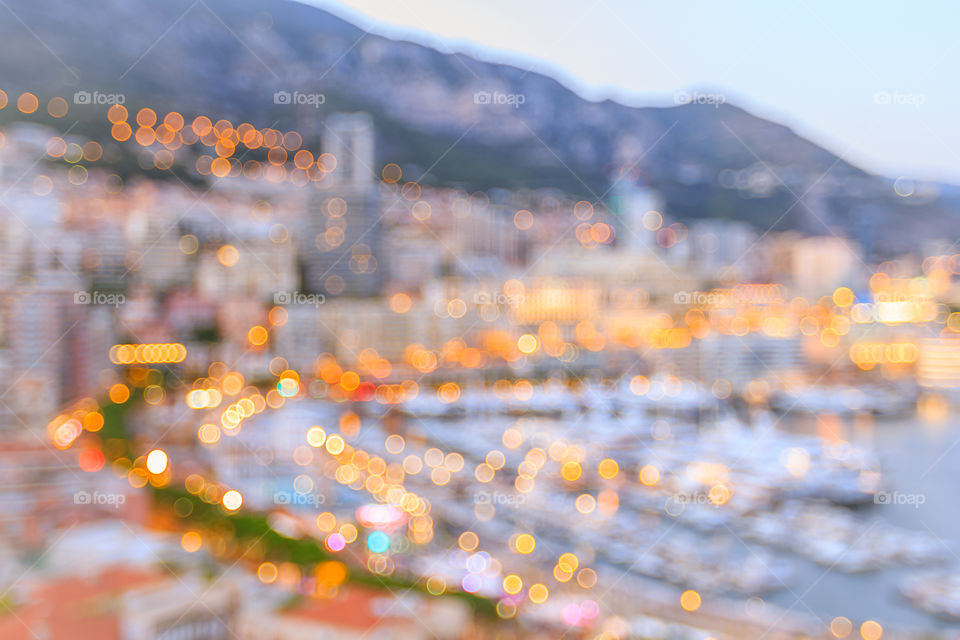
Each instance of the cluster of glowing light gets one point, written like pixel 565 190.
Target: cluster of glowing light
pixel 690 600
pixel 527 343
pixel 316 436
pixel 571 471
pixel 360 470
pixel 63 431
pixel 335 542
pixel 538 593
pixel 232 500
pixel 288 387
pixel 869 354
pixel 843 297
pixel 235 413
pixel 400 303
pixel 436 585
pixel 191 541
pixel 119 393
pixel 649 475
pixel 566 567
pixel 468 541
pixel 871 630
pixel 208 433
pixel 331 573
pixel 673 338
pixel 524 543
pixel 585 503
pixel 27 103
pixel 257 336
pixel 203 398
pixel 523 220
pixel 719 494
pixel 91 460
pixel 378 542
pixel 841 627
pixel 639 385
pixel 593 235
pixel 380 516
pixel 583 614
pixel 512 584
pixel 285 159
pixel 267 572
pixel 164 353
pixel 608 468
pixel 587 578
pixel 370 363
pixel 449 392
pixel 157 461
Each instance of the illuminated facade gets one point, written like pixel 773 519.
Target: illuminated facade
pixel 939 363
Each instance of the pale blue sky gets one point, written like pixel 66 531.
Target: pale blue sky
pixel 815 65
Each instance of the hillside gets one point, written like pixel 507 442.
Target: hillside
pixel 229 57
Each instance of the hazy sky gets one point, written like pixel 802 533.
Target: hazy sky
pixel 872 81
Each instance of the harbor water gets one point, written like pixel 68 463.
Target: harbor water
pixel 921 476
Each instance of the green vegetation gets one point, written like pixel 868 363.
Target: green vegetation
pixel 253 529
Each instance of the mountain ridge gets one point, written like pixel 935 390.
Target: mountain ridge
pixel 229 57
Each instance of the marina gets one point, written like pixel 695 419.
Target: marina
pixel 758 513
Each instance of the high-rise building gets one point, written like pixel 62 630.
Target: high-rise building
pixel 630 199
pixel 821 264
pixel 342 247
pixel 723 248
pixel 38 329
pixel 42 298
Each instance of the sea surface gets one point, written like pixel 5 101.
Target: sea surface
pixel 921 462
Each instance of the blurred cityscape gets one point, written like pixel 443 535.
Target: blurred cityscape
pixel 272 382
